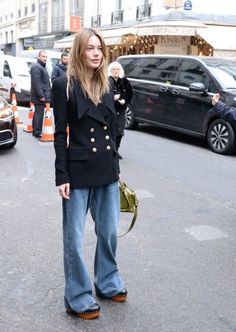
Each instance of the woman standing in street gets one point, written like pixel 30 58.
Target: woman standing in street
pixel 87 173
pixel 123 93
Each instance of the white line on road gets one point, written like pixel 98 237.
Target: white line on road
pixel 206 233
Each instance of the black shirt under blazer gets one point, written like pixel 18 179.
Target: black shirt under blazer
pixel 89 157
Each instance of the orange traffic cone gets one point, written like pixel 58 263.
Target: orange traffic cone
pixel 14 107
pixel 29 126
pixel 47 131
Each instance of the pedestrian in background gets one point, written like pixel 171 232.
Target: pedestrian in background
pixel 40 91
pixel 87 174
pixel 224 111
pixel 123 93
pixel 61 67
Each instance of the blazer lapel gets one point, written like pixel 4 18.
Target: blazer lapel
pixel 84 105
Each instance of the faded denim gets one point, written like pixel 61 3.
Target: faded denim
pixel 104 204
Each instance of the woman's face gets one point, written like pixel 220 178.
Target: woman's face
pixel 93 53
pixel 115 71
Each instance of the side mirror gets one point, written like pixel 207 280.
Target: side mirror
pixel 198 87
pixel 6 73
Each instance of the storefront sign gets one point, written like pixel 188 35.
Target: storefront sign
pixel 74 23
pixel 173 44
pixel 188 5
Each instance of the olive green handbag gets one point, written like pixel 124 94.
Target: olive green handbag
pixel 128 203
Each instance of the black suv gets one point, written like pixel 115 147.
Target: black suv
pixel 174 91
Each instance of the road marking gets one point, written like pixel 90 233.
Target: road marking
pixel 21 125
pixel 205 233
pixel 29 170
pixel 143 194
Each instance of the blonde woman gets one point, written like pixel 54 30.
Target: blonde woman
pixel 123 93
pixel 87 174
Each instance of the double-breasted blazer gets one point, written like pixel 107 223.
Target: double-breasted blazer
pixel 87 156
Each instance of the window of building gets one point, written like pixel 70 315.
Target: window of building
pixel 58 15
pixel 74 7
pixel 33 7
pixel 42 16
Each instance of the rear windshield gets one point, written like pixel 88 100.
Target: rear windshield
pixel 224 70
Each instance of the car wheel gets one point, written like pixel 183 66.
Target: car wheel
pixel 221 137
pixel 130 122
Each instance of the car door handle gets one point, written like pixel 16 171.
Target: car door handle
pixel 176 91
pixel 164 89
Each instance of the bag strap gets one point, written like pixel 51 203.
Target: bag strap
pixel 131 223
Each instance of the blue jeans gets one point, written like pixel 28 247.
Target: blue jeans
pixel 104 204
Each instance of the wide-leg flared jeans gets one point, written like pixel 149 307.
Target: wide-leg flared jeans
pixel 104 204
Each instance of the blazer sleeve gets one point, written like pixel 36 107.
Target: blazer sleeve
pixel 60 136
pixel 224 111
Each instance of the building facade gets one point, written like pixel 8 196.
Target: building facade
pixel 129 27
pixel 37 24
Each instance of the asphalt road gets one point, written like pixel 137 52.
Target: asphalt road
pixel 179 261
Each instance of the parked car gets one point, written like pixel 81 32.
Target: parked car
pixel 14 78
pixel 8 128
pixel 174 92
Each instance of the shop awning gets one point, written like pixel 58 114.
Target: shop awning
pixel 172 28
pixel 65 42
pixel 111 37
pixel 219 37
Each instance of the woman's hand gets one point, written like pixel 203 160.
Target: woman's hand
pixel 116 96
pixel 215 99
pixel 121 101
pixel 64 190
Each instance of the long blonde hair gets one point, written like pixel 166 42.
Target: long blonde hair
pixel 77 68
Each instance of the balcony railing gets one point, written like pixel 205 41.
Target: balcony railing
pixel 143 12
pixel 96 21
pixel 117 17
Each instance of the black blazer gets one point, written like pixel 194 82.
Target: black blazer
pixel 88 157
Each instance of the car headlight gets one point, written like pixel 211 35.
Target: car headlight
pixel 5 109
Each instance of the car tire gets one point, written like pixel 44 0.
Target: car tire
pixel 221 137
pixel 130 122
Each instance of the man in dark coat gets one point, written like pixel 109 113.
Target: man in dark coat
pixel 224 111
pixel 61 67
pixel 40 93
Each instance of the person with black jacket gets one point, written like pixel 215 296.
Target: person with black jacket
pixel 61 67
pixel 224 111
pixel 123 93
pixel 40 92
pixel 87 174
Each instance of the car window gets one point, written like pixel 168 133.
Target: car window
pixel 192 71
pixel 158 69
pixel 6 70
